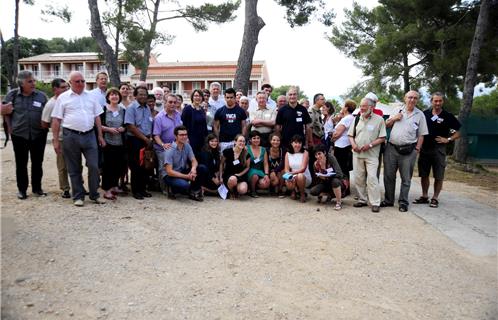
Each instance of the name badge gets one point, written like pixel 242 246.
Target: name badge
pixel 299 119
pixel 37 104
pixel 236 162
pixel 115 114
pixel 256 160
pixel 415 126
pixel 440 120
pixel 230 121
pixel 151 119
pixel 370 127
pixel 434 118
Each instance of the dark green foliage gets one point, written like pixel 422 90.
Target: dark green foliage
pixel 199 16
pixel 282 91
pixel 486 106
pixel 301 12
pixel 413 43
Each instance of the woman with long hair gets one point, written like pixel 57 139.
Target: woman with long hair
pixel 259 170
pixel 297 173
pixel 234 165
pixel 276 162
pixel 210 157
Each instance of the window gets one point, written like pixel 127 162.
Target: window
pixel 123 69
pixel 57 70
pixel 196 85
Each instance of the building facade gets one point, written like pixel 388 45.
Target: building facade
pixel 180 77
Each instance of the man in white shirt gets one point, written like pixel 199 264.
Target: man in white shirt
pixel 99 92
pixel 216 100
pixel 79 112
pixel 263 119
pixel 270 104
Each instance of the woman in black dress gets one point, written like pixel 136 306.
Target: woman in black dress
pixel 194 118
pixel 276 160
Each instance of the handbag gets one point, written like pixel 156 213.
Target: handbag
pixel 148 159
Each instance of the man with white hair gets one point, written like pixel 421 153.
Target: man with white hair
pixel 24 106
pixel 405 141
pixel 216 100
pixel 79 113
pixel 159 94
pixel 366 135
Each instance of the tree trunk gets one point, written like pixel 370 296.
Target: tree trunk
pixel 406 73
pixel 99 36
pixel 15 50
pixel 150 37
pixel 461 146
pixel 253 24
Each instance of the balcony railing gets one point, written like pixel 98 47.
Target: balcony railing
pixel 47 76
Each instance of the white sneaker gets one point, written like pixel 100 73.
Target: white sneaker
pixel 78 203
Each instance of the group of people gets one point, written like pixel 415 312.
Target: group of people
pixel 227 144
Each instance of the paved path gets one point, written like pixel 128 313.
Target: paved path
pixel 470 224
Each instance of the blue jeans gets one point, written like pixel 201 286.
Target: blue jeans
pixel 183 186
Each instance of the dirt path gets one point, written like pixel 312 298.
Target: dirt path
pixel 250 259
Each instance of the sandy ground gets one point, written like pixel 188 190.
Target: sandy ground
pixel 250 259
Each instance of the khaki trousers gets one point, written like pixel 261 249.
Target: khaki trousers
pixel 62 171
pixel 365 179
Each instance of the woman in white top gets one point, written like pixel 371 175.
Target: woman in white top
pixel 342 146
pixel 296 168
pixel 328 124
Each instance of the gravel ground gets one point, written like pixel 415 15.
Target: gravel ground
pixel 260 258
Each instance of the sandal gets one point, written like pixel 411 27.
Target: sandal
pixel 421 200
pixel 434 203
pixel 338 206
pixel 293 195
pixel 110 197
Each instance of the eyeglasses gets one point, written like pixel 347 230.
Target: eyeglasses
pixel 78 81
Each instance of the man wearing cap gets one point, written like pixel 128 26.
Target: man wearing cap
pixel 443 128
pixel 407 135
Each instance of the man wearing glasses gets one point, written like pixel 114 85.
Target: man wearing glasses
pixel 79 113
pixel 407 135
pixel 59 86
pixel 24 107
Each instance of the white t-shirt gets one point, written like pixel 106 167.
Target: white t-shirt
pixel 328 126
pixel 343 140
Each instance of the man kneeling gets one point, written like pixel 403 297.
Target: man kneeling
pixel 182 173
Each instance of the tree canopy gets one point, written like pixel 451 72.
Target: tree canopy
pixel 405 44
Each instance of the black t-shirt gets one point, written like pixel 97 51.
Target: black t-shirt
pixel 439 125
pixel 293 121
pixel 230 122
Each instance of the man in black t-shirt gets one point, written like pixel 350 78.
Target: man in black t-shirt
pixel 443 128
pixel 293 119
pixel 229 121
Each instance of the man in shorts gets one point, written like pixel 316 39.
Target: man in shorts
pixel 443 129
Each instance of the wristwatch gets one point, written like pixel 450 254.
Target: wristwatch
pixel 449 139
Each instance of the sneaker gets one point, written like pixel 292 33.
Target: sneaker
pixel 78 203
pixel 97 201
pixel 196 196
pixel 254 195
pixel 21 195
pixel 375 208
pixel 403 208
pixel 66 194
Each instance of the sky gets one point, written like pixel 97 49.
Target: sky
pixel 301 56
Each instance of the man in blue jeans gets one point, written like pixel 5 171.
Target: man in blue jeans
pixel 183 174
